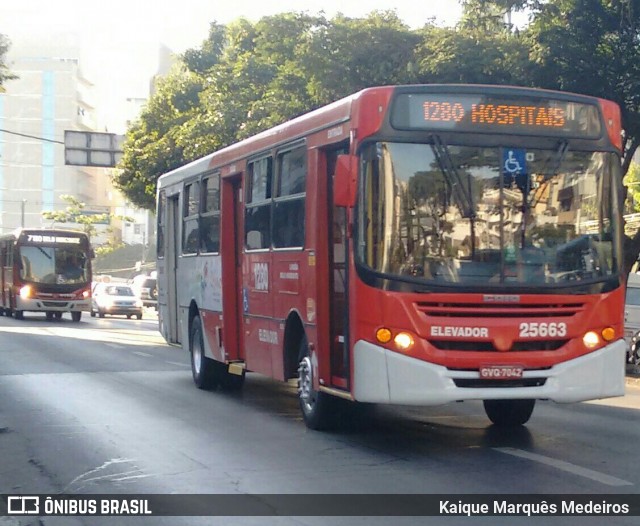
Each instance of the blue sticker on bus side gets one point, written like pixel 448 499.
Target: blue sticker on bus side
pixel 245 300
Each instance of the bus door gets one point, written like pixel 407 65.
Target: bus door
pixel 231 254
pixel 338 266
pixel 171 266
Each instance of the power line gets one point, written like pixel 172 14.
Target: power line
pixel 30 136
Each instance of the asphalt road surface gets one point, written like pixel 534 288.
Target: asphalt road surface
pixel 104 406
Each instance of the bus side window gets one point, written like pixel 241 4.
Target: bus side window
pixel 289 201
pixel 191 208
pixel 257 219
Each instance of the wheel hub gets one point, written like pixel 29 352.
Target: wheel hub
pixel 305 381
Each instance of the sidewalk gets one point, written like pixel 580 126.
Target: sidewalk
pixel 633 374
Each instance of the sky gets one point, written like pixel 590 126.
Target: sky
pixel 120 39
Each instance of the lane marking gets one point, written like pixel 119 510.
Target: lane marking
pixel 115 345
pixel 178 364
pixel 144 354
pixel 565 466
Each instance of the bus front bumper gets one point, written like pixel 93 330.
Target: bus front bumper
pixel 383 376
pixel 40 305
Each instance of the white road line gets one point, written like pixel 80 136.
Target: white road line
pixel 178 364
pixel 565 466
pixel 114 345
pixel 145 354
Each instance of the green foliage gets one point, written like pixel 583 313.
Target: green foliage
pixel 591 47
pixel 5 74
pixel 73 213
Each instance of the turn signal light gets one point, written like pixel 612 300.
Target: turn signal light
pixel 383 335
pixel 608 334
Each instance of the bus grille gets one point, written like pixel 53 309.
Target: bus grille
pixel 434 312
pixel 478 383
pixel 55 303
pixel 498 310
pixel 478 346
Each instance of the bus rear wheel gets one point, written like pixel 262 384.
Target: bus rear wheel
pixel 318 408
pixel 18 314
pixel 509 413
pixel 202 368
pixel 76 315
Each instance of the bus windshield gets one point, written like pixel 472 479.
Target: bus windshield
pixel 471 215
pixel 42 264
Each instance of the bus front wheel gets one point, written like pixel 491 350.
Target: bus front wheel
pixel 18 314
pixel 318 408
pixel 76 315
pixel 202 368
pixel 509 413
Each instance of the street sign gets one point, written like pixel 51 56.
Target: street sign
pixel 92 148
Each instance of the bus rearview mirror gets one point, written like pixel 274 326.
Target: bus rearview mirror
pixel 344 180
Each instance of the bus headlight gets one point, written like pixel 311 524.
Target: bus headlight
pixel 25 292
pixel 403 341
pixel 591 340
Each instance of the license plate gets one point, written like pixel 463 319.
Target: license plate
pixel 501 372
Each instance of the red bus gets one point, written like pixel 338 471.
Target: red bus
pixel 45 270
pixel 406 245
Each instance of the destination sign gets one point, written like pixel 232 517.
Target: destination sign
pixel 33 238
pixel 489 113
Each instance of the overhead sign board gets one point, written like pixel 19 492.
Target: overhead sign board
pixel 92 148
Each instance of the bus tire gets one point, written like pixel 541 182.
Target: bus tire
pixel 18 315
pixel 203 369
pixel 100 314
pixel 318 408
pixel 509 413
pixel 76 315
pixel 49 315
pixel 58 315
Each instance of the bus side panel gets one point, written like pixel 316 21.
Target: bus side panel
pixel 290 289
pixel 208 297
pixel 260 331
pixel 188 291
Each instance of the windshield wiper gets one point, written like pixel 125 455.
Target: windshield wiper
pixel 461 194
pixel 555 162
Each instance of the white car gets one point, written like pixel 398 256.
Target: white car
pixel 632 318
pixel 115 298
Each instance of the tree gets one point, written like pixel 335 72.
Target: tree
pixel 5 74
pixel 248 77
pixel 593 47
pixel 73 213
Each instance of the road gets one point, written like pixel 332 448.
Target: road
pixel 105 406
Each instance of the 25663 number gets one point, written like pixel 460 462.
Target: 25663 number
pixel 542 329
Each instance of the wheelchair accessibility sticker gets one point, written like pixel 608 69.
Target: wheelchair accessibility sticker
pixel 514 161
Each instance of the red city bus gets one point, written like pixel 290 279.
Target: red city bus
pixel 44 270
pixel 406 245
